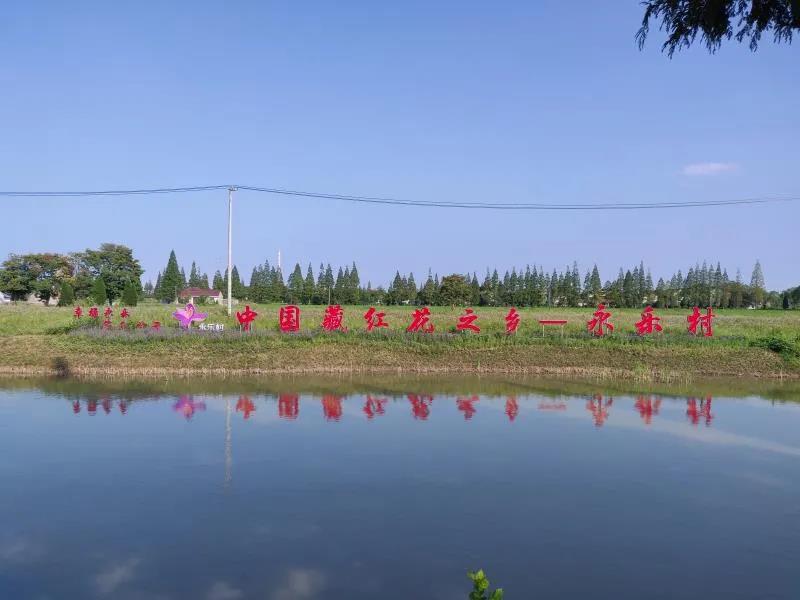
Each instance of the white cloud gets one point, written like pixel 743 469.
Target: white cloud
pixel 109 580
pixel 709 168
pixel 301 584
pixel 222 590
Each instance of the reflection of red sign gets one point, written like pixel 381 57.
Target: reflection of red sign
pixel 512 408
pixel 648 323
pixel 704 321
pixel 420 406
pixel 187 406
pixel 466 322
pixel 78 312
pixel 512 321
pixel 289 318
pixel 647 408
pixel 420 321
pixel 374 406
pixel 245 406
pixel 76 407
pixel 332 407
pixel 599 408
pixel 288 406
pixel 246 318
pixel 374 319
pixel 599 325
pixel 699 410
pixel 332 320
pixel 467 406
pixel 552 406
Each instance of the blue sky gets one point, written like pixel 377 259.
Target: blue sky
pixel 516 102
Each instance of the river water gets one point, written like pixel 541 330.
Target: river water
pixel 299 489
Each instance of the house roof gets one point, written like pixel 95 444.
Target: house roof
pixel 196 292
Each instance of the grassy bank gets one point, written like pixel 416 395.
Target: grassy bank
pixel 35 340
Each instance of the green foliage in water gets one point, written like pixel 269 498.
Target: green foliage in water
pixel 480 587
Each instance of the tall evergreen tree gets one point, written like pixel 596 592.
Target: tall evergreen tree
pixel 99 294
pixel 194 278
pixel 308 286
pixel 171 280
pixel 294 291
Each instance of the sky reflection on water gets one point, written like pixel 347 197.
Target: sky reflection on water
pixel 388 495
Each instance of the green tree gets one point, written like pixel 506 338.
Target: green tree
pixel 66 297
pixel 194 277
pixel 171 281
pixel 219 283
pixel 39 274
pixel 757 285
pixel 130 295
pixel 718 20
pixel 294 289
pixel 115 263
pixel 455 290
pixel 308 286
pixel 99 292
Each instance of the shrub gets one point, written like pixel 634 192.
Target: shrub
pixel 67 295
pixel 130 295
pixel 99 293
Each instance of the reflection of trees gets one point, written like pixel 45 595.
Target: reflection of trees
pixel 245 406
pixel 467 406
pixel 374 406
pixel 332 407
pixel 697 410
pixel 599 408
pixel 420 405
pixel 512 408
pixel 647 407
pixel 288 406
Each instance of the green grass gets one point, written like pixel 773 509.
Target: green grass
pixel 746 342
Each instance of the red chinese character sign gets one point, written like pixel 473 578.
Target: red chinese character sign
pixel 374 319
pixel 512 321
pixel 466 322
pixel 289 318
pixel 600 325
pixel 703 321
pixel 421 321
pixel 649 323
pixel 94 313
pixel 78 312
pixel 246 318
pixel 188 315
pixel 332 320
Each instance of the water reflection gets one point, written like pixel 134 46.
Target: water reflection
pixel 599 408
pixel 695 411
pixel 187 406
pixel 288 407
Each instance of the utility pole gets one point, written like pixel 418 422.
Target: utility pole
pixel 230 248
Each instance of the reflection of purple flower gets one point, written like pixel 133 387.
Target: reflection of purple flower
pixel 187 315
pixel 188 407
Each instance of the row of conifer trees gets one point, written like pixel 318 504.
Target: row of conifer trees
pixel 703 285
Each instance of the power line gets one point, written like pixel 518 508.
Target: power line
pixel 405 202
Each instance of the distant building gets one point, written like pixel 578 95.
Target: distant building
pixel 4 298
pixel 198 295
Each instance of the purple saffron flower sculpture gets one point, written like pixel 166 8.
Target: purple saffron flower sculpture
pixel 187 315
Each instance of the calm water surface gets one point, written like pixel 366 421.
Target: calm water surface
pixel 131 494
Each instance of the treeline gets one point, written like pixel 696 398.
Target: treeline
pixel 701 285
pixel 105 274
pixel 111 273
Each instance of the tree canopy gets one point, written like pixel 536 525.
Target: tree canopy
pixel 718 20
